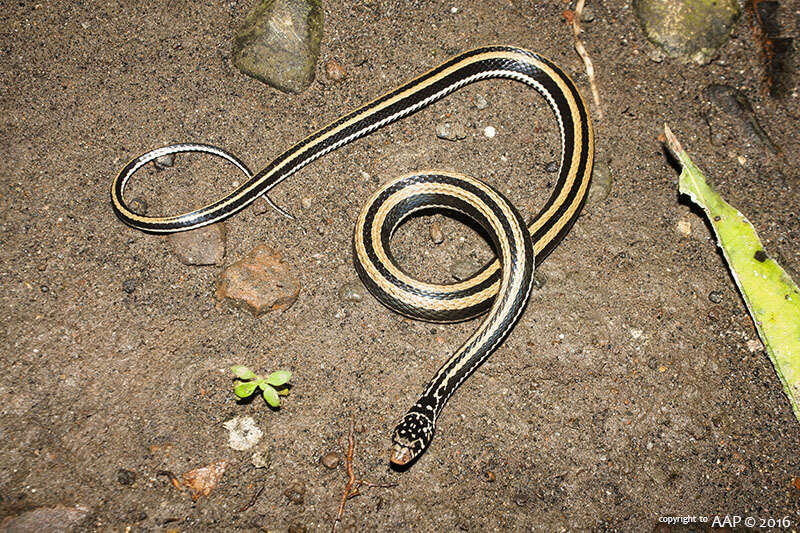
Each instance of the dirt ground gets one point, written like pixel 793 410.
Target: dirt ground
pixel 625 394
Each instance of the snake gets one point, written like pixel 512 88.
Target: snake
pixel 500 289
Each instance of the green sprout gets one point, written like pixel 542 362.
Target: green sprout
pixel 272 386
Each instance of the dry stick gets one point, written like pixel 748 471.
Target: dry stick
pixel 252 500
pixel 576 29
pixel 353 484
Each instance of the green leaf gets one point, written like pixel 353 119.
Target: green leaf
pixel 281 377
pixel 772 298
pixel 242 372
pixel 244 389
pixel 271 396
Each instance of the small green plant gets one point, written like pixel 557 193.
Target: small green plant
pixel 272 386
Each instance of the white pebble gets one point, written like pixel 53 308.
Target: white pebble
pixel 454 10
pixel 489 131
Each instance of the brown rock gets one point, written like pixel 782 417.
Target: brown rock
pixel 203 246
pixel 334 70
pixel 260 282
pixel 295 492
pixel 330 460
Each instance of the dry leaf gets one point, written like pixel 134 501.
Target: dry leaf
pixel 202 481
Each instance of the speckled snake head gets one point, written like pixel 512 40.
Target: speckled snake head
pixel 411 436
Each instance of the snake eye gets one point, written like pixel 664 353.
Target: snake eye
pixel 411 436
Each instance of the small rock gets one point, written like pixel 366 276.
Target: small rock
pixel 552 167
pixel 278 43
pixel 587 15
pixel 352 292
pixel 306 203
pixel 539 279
pixel 129 285
pixel 754 345
pixel 260 206
pixel 126 478
pixel 330 460
pixel 262 456
pixel 165 161
pixel 451 131
pixel 334 71
pixel 295 492
pixel 463 268
pixel 243 433
pixel 490 477
pixel 601 184
pixel 138 206
pixel 692 29
pixel 489 132
pixel 715 296
pixel 736 104
pixel 58 519
pixel 298 528
pixel 260 282
pixel 481 102
pixel 684 226
pixel 437 236
pixel 202 246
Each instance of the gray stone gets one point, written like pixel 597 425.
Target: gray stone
pixel 278 43
pixel 691 29
pixel 202 246
pixel 452 131
pixel 55 519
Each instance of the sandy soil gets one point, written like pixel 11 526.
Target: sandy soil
pixel 623 395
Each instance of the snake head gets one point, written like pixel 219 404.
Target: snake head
pixel 411 436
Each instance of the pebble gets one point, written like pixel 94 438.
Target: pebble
pixel 481 102
pixel 684 226
pixel 334 71
pixel 243 433
pixel 552 167
pixel 262 456
pixel 587 15
pixel 715 296
pixel 463 268
pixel 295 492
pixel 129 285
pixel 437 236
pixel 260 282
pixel 602 182
pixel 451 131
pixel 306 203
pixel 539 279
pixel 489 131
pixel 165 161
pixel 490 477
pixel 126 478
pixel 330 460
pixel 352 292
pixel 138 206
pixel 754 345
pixel 202 246
pixel 298 528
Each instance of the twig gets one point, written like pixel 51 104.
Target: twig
pixel 353 485
pixel 252 500
pixel 587 62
